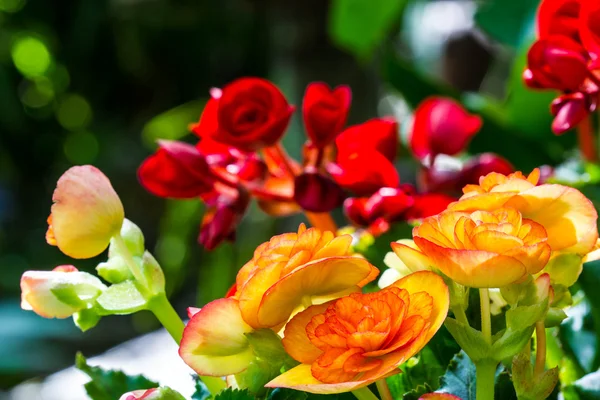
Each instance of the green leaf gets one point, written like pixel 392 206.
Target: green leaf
pixel 360 25
pixel 526 386
pixel 469 339
pixel 86 319
pixel 523 317
pixel 121 298
pixel 68 294
pixel 287 394
pixel 578 337
pixel 165 393
pixel 459 378
pixel 234 394
pixel 115 269
pixel 507 21
pixel 172 124
pixel 202 392
pixel 588 387
pixel 267 344
pixel 132 236
pixel 110 384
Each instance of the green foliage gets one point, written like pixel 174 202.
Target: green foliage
pixel 506 21
pixel 201 392
pixel 586 388
pixel 359 26
pixel 287 394
pixel 528 387
pixel 110 384
pixel 234 394
pixel 172 124
pixel 578 337
pixel 121 298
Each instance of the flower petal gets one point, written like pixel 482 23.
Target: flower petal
pixel 410 255
pixel 213 341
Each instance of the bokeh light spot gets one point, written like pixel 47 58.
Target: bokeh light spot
pixel 31 56
pixel 74 112
pixel 11 6
pixel 81 147
pixel 38 92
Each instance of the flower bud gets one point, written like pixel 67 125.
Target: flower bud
pixel 325 112
pixel 316 192
pixel 569 110
pixel 219 222
pixel 86 213
pixel 59 293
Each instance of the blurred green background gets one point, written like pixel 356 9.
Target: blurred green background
pixel 96 82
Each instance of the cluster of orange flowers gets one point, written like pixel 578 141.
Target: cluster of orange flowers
pixel 305 289
pixel 306 286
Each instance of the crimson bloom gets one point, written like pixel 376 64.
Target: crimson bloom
pixel 442 126
pixel 325 112
pixel 248 113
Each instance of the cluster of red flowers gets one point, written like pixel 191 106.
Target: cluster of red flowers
pixel 239 157
pixel 565 58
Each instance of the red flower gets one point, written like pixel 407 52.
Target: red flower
pixel 570 109
pixel 221 220
pixel 248 113
pixel 176 170
pixel 442 126
pixel 481 165
pixel 325 112
pixel 363 171
pixel 590 27
pixel 559 17
pixel 379 134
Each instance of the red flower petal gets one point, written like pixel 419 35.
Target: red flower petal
pixel 590 27
pixel 325 112
pixel 317 193
pixel 442 126
pixel 176 170
pixel 428 204
pixel 363 172
pixel 380 134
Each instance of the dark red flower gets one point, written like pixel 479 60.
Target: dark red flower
pixel 442 126
pixel 556 62
pixel 481 165
pixel 428 204
pixel 177 170
pixel 325 112
pixel 570 109
pixel 363 171
pixel 316 192
pixel 248 113
pixel 221 220
pixel 380 134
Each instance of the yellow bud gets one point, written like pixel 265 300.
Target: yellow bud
pixel 86 213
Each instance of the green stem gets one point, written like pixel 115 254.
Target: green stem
pixel 166 314
pixel 486 320
pixel 540 348
pixel 123 251
pixel 485 377
pixel 364 394
pixel 459 314
pixel 384 390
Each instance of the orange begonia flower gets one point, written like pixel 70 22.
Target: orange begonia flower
pixel 353 341
pixel 567 215
pixel 480 249
pixel 439 396
pixel 214 341
pixel 295 269
pixel 86 213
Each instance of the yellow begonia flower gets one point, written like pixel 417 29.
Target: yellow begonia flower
pixel 296 269
pixel 86 213
pixel 567 215
pixel 480 249
pixel 353 341
pixel 59 293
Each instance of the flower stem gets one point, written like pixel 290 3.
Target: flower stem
pixel 384 390
pixel 540 349
pixel 459 314
pixel 124 252
pixel 586 140
pixel 322 221
pixel 486 321
pixel 485 371
pixel 364 394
